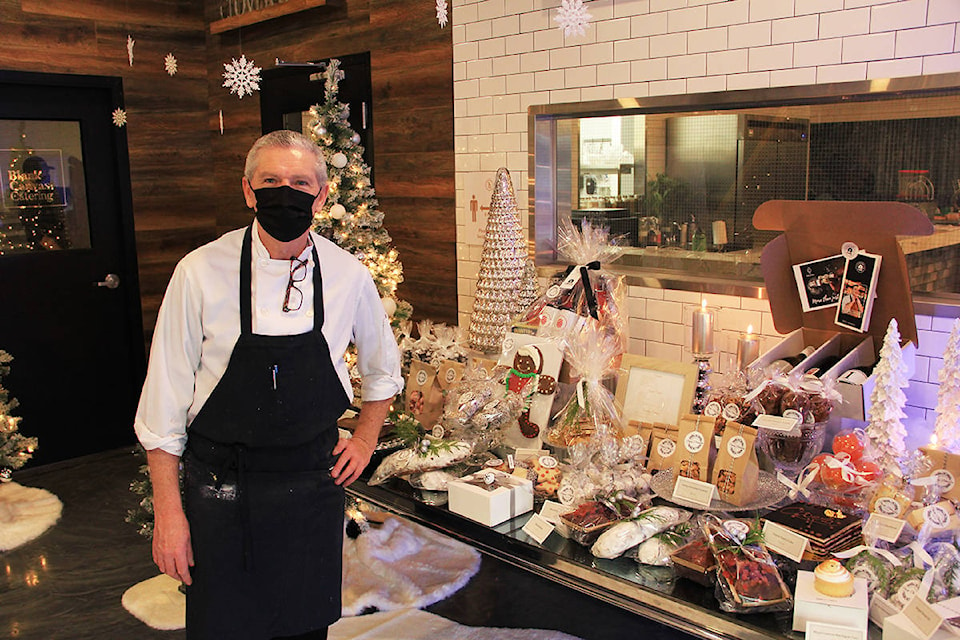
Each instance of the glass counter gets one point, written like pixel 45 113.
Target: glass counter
pixel 652 592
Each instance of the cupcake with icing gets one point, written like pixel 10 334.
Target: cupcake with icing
pixel 833 579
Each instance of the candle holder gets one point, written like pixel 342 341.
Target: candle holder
pixel 702 389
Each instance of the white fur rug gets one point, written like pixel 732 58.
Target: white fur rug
pixel 397 565
pixel 25 513
pixel 413 624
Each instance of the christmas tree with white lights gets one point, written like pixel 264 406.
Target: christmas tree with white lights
pixel 885 417
pixel 15 448
pixel 351 217
pixel 947 426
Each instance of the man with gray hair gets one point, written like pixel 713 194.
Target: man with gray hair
pixel 245 384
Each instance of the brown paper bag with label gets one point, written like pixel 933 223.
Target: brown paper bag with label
pixel 663 446
pixel 694 441
pixel 736 472
pixel 945 467
pixel 424 394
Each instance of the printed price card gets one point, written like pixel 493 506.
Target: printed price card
pixel 538 528
pixel 824 631
pixel 694 491
pixel 785 542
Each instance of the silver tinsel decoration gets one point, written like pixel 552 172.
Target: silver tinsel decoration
pixel 501 269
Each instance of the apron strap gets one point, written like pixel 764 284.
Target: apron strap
pixel 246 292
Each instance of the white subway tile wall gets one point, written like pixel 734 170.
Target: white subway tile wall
pixel 510 54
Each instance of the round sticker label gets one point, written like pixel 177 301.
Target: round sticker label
pixel 421 377
pixel 547 462
pixel 713 409
pixel 731 412
pixel 888 507
pixel 736 446
pixel 867 573
pixel 693 441
pixel 566 494
pixel 450 375
pixel 794 414
pixel 495 462
pixel 945 480
pixel 737 528
pixel 936 515
pixel 437 431
pixel 666 448
pixel 553 291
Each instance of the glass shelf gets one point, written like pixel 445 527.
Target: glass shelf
pixel 652 592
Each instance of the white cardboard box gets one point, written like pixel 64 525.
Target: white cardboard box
pixel 513 497
pixel 899 627
pixel 812 606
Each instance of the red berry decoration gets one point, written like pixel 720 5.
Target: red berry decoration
pixel 849 442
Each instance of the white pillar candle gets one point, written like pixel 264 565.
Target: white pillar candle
pixel 702 330
pixel 748 349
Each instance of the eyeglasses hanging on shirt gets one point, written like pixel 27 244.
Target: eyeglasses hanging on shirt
pixel 293 298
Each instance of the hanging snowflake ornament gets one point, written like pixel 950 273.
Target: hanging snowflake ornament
pixel 442 13
pixel 573 18
pixel 119 117
pixel 241 76
pixel 170 64
pixel 130 43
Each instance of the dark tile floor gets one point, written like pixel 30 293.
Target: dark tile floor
pixel 67 584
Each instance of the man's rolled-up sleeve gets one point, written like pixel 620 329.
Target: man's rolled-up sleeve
pixel 378 357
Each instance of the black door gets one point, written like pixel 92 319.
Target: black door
pixel 68 275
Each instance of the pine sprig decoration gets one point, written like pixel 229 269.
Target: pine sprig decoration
pixel 15 448
pixel 351 217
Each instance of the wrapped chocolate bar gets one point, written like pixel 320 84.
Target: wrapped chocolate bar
pixel 747 578
pixel 629 533
pixel 593 356
pixel 585 294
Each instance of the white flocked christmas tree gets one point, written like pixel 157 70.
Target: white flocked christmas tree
pixel 885 428
pixel 947 427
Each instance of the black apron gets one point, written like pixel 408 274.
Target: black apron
pixel 266 519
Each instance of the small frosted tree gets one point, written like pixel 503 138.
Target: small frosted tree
pixel 15 448
pixel 885 419
pixel 947 427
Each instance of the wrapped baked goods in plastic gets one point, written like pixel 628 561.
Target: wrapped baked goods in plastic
pixel 436 454
pixel 629 533
pixel 593 357
pixel 656 551
pixel 477 410
pixel 585 294
pixel 748 580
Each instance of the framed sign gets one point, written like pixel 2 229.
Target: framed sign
pixel 655 390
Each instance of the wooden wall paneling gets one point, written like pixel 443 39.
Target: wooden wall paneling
pixel 168 131
pixel 412 75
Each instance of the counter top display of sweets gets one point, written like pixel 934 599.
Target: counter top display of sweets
pixel 754 519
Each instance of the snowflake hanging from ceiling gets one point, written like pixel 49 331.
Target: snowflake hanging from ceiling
pixel 573 18
pixel 119 117
pixel 170 64
pixel 241 76
pixel 442 13
pixel 130 43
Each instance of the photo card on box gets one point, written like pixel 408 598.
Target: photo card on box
pixel 819 282
pixel 859 288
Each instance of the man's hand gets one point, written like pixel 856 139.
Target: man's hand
pixel 355 452
pixel 172 550
pixel 354 457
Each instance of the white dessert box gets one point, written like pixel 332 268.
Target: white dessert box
pixel 812 606
pixel 512 497
pixel 818 229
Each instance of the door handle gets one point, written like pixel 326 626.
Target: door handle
pixel 112 281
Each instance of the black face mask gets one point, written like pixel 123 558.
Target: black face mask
pixel 284 212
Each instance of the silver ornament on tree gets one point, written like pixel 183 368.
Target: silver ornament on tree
pixel 501 269
pixel 529 287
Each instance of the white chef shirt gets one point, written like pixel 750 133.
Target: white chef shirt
pixel 199 324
